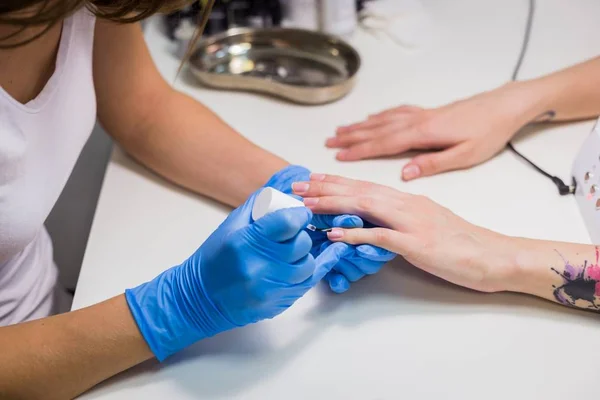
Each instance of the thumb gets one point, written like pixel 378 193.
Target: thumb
pixel 241 217
pixel 328 259
pixel 438 162
pixel 283 225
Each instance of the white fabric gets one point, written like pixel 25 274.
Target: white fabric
pixel 39 145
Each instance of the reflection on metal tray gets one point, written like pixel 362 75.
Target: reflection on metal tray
pixel 302 66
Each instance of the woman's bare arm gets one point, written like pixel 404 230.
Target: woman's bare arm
pixel 60 357
pixel 167 131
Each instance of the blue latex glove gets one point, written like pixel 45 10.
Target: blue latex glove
pixel 358 261
pixel 244 272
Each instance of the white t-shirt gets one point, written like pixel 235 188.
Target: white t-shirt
pixel 39 144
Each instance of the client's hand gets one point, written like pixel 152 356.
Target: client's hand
pixel 426 234
pixel 357 261
pixel 466 133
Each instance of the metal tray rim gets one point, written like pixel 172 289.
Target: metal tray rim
pixel 298 94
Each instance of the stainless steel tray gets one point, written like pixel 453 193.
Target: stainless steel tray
pixel 302 66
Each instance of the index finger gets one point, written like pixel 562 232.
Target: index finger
pixel 367 124
pixel 329 185
pixel 406 108
pixel 375 210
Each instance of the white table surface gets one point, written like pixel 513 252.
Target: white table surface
pixel 401 334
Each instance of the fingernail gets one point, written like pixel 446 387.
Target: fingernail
pixel 330 142
pixel 300 187
pixel 342 154
pixel 317 177
pixel 311 202
pixel 335 234
pixel 411 172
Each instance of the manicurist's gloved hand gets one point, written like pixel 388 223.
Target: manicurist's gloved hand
pixel 245 272
pixel 357 261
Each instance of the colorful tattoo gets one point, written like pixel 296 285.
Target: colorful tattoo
pixel 581 284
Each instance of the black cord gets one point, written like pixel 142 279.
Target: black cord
pixel 563 189
pixel 541 171
pixel 526 40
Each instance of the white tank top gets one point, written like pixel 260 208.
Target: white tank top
pixel 39 144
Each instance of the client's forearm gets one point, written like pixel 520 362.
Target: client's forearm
pixel 569 94
pixel 562 272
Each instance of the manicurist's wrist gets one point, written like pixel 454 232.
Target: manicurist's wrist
pixel 173 311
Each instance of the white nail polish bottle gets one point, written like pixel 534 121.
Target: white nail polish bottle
pixel 270 200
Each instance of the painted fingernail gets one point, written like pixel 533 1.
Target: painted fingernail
pixel 300 187
pixel 311 202
pixel 317 177
pixel 335 234
pixel 411 172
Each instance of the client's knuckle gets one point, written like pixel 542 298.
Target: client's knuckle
pixel 382 236
pixel 365 204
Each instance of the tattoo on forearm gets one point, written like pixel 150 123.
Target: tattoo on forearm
pixel 545 117
pixel 581 286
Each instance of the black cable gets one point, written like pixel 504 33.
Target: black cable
pixel 526 40
pixel 541 171
pixel 563 189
